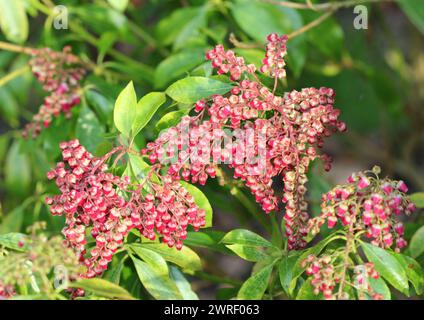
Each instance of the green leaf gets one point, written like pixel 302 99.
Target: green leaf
pixel 89 130
pixel 414 9
pixel 327 37
pixel 185 258
pixel 286 268
pixel 170 119
pixel 17 170
pixel 192 89
pixel 102 288
pixel 418 199
pixel 146 108
pixel 306 291
pixel 102 105
pixel 245 237
pixel 254 56
pixel 170 28
pixel 255 287
pixel 207 239
pixel 12 221
pixel 156 280
pixel 249 253
pixel 201 201
pixel 416 246
pixel 125 110
pixel 119 5
pixel 12 241
pixel 114 272
pixel 413 270
pixel 14 21
pixel 182 284
pixel 177 64
pixel 259 19
pixel 9 107
pixel 379 286
pixel 190 35
pixel 139 168
pixel 387 266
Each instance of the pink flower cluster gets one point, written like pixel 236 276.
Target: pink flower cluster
pixel 111 206
pixel 60 74
pixel 274 63
pixel 327 273
pixel 367 203
pixel 251 122
pixel 6 291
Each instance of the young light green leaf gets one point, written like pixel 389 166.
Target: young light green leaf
pixel 416 247
pixel 125 108
pixel 249 253
pixel 255 287
pixel 418 199
pixel 119 5
pixel 102 288
pixel 182 284
pixel 186 258
pixel 306 291
pixel 387 266
pixel 170 119
pixel 192 89
pixel 156 282
pixel 13 240
pixel 146 108
pixel 201 200
pixel 379 286
pixel 154 259
pixel 13 20
pixel 245 237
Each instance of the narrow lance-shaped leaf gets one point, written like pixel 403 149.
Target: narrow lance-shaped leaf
pixel 125 110
pixel 102 288
pixel 192 89
pixel 245 237
pixel 146 108
pixel 416 247
pixel 255 287
pixel 13 20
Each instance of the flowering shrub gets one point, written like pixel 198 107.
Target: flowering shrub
pixel 206 152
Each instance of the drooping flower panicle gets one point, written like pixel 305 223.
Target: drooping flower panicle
pixel 283 133
pixel 367 204
pixel 111 206
pixel 60 74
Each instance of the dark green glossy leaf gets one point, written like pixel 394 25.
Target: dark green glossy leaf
pixel 245 237
pixel 387 266
pixel 255 287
